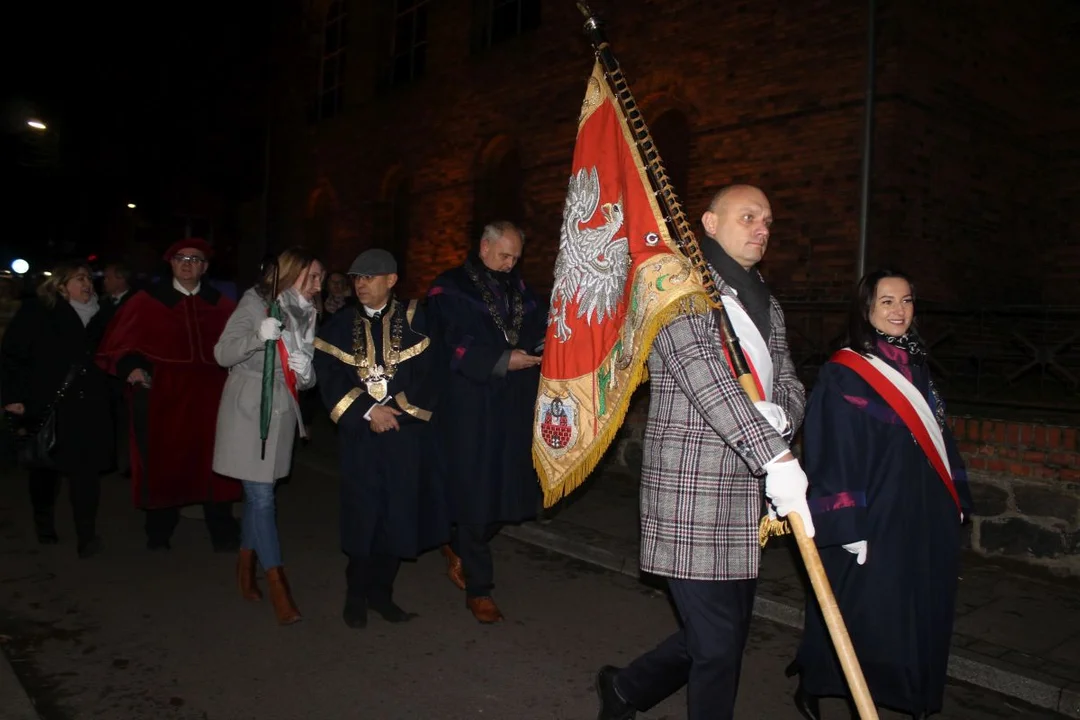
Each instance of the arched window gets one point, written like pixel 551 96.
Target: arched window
pixel 671 133
pixel 498 189
pixel 332 67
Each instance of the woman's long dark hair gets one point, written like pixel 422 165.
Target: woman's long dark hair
pixel 861 334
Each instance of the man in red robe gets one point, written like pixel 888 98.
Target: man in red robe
pixel 162 343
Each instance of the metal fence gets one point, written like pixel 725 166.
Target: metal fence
pixel 1020 361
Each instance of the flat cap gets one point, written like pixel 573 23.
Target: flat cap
pixel 373 262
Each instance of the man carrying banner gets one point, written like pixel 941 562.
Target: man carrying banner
pixel 489 329
pixel 706 449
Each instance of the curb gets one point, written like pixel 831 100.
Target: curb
pixel 15 703
pixel 1040 691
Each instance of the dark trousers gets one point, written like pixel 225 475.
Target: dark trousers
pixel 705 654
pixel 370 579
pixel 472 544
pixel 224 530
pixel 84 489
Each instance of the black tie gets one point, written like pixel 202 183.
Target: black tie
pixel 377 316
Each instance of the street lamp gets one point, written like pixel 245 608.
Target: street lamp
pixel 37 124
pixel 20 266
pixel 131 206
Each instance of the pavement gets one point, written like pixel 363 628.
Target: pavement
pixel 113 631
pixel 1016 633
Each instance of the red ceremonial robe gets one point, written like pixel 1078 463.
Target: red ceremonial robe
pixel 171 336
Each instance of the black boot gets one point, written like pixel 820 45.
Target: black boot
pixel 379 587
pixel 612 704
pixel 355 613
pixel 807 705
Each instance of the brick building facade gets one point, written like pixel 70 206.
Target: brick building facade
pixel 406 122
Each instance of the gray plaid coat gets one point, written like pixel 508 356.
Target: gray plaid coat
pixel 702 484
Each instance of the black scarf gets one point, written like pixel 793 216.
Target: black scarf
pixel 909 342
pixel 752 291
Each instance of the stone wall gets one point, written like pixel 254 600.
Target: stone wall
pixel 1025 480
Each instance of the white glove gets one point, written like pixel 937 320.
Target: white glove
pixel 269 329
pixel 785 486
pixel 775 415
pixel 300 364
pixel 858 549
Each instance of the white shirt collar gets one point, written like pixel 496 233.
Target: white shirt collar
pixel 183 290
pixel 371 311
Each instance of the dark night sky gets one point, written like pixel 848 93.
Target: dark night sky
pixel 146 102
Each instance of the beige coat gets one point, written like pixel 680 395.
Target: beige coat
pixel 237 448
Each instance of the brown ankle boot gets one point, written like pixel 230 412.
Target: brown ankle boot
pixel 245 576
pixel 281 596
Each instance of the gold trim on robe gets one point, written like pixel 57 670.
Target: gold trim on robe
pixel 334 350
pixel 415 350
pixel 344 403
pixel 416 412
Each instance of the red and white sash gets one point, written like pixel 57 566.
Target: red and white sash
pixel 754 346
pixel 909 404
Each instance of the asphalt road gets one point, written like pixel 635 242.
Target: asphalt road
pixel 132 634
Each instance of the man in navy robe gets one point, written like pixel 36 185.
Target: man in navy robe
pixel 373 370
pixel 489 328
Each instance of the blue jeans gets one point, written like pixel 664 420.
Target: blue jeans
pixel 260 524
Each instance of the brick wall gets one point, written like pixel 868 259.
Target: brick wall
pixel 967 142
pixel 1025 479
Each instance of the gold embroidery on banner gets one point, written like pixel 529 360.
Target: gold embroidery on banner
pixel 334 350
pixel 416 412
pixel 344 403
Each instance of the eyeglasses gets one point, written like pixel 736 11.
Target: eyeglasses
pixel 193 259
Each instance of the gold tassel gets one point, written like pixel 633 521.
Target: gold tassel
pixel 772 527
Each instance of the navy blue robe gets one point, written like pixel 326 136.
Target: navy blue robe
pixel 485 422
pixel 869 480
pixel 392 501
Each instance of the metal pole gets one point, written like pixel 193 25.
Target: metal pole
pixel 868 139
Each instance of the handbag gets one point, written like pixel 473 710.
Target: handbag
pixel 34 447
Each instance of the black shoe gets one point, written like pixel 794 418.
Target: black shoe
pixel 390 612
pixel 807 705
pixel 158 545
pixel 89 548
pixel 612 705
pixel 355 615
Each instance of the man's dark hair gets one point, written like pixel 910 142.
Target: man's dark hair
pixel 861 334
pixel 121 269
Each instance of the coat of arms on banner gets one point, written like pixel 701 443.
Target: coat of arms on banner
pixel 557 423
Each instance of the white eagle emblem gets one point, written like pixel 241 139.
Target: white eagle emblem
pixel 592 264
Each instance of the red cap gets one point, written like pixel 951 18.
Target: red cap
pixel 196 243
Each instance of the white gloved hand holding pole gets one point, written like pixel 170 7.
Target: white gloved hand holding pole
pixel 775 415
pixel 785 486
pixel 269 329
pixel 858 549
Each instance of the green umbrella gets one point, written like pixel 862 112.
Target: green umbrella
pixel 266 405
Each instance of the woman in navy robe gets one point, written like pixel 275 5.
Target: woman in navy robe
pixel 888 525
